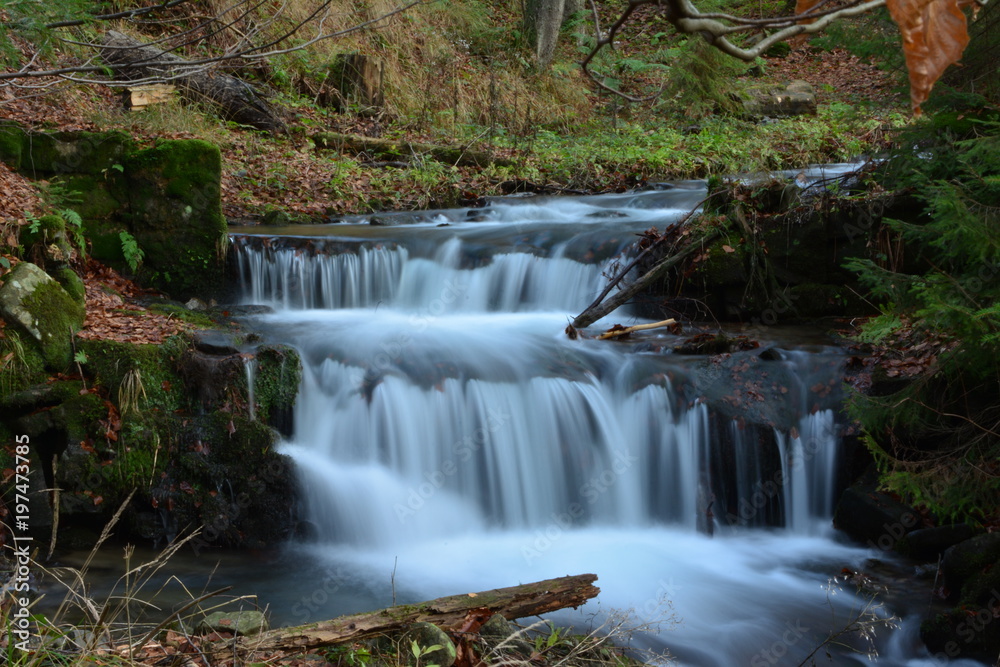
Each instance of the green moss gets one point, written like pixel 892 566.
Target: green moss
pixel 276 385
pixel 118 366
pixel 72 283
pixel 81 413
pixel 105 241
pixel 176 215
pixel 98 197
pixel 12 139
pixel 91 153
pixel 195 317
pixel 24 368
pixel 58 318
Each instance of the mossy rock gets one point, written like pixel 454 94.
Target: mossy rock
pixel 72 283
pixel 176 215
pixel 433 643
pixel 37 306
pixel 48 227
pixel 105 240
pixel 25 368
pixel 12 140
pixel 96 197
pixel 111 363
pixel 968 559
pixel 276 385
pixel 239 488
pixel 93 153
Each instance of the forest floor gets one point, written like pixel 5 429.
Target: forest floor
pixel 262 172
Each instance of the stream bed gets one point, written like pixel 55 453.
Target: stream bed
pixel 450 438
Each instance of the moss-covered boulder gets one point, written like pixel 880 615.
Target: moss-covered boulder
pixel 94 153
pixel 12 142
pixel 72 283
pixel 176 215
pixel 138 377
pixel 36 305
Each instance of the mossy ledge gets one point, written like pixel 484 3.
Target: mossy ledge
pixel 139 421
pixel 167 197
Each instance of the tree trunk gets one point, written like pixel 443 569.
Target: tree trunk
pixel 542 21
pixel 354 80
pixel 514 602
pixel 236 99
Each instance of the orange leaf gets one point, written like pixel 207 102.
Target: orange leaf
pixel 934 36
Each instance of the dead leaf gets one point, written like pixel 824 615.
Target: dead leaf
pixel 728 248
pixel 934 36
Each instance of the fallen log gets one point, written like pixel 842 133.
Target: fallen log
pixel 513 602
pixel 130 59
pixel 391 150
pixel 598 310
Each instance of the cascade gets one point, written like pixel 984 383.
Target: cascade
pixel 444 421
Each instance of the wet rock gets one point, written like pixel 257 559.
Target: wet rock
pixel 929 543
pixel 244 622
pixel 874 517
pixel 214 342
pixel 964 560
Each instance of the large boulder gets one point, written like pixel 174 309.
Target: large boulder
pixel 176 214
pixel 35 304
pixel 871 516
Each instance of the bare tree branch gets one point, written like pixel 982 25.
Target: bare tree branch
pixel 128 14
pixel 247 52
pixel 716 28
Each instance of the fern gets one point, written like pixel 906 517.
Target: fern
pixel 132 252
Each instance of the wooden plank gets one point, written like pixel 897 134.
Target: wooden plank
pixel 140 97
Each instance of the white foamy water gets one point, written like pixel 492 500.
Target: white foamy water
pixel 446 428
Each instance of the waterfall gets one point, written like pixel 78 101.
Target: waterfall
pixel 446 421
pixel 250 365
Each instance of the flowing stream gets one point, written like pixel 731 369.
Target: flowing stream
pixel 451 438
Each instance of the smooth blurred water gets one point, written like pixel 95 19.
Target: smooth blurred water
pixel 447 430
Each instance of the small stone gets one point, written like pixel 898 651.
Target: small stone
pixel 195 304
pixel 428 636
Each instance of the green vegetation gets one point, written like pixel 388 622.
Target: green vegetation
pixel 935 439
